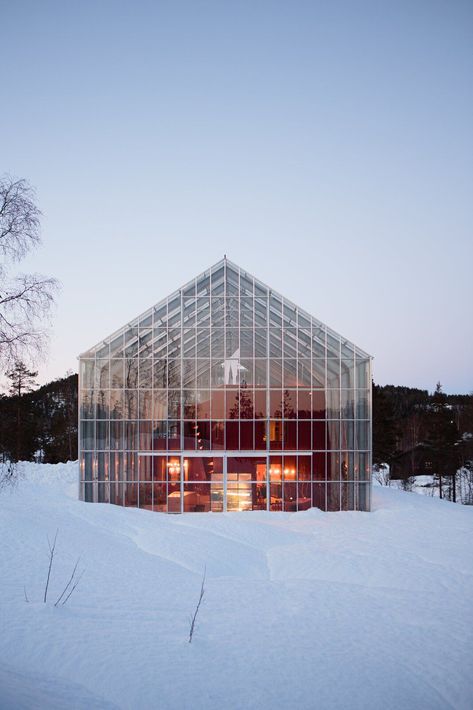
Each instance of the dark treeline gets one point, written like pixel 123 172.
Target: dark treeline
pixel 418 433
pixel 38 424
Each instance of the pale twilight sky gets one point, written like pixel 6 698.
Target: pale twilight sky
pixel 326 147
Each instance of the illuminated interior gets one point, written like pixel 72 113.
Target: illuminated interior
pixel 225 397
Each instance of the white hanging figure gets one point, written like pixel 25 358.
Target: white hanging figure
pixel 232 368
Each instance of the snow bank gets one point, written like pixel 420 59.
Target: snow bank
pixel 301 610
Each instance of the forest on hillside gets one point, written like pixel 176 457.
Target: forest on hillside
pixel 414 432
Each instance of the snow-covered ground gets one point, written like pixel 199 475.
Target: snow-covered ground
pixel 301 610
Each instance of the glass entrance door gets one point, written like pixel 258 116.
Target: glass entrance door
pixel 247 482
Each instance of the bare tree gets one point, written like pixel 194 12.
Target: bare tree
pixel 25 299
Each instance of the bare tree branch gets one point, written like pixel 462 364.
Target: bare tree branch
pixel 26 299
pixel 19 218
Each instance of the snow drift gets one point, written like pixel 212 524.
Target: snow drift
pixel 301 610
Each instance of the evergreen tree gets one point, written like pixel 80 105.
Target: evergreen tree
pixel 442 437
pixel 22 380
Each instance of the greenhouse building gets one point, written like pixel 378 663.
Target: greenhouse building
pixel 225 396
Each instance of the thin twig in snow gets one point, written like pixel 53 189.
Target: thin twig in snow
pixel 26 596
pixel 73 587
pixel 191 632
pixel 52 549
pixel 71 579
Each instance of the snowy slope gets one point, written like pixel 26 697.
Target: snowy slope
pixel 301 610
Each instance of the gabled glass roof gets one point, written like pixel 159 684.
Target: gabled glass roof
pixel 238 310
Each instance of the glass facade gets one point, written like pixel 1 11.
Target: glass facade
pixel 225 396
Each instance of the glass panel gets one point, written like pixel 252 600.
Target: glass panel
pixel 174 498
pixel 145 468
pixel 347 496
pixel 246 435
pixel 131 495
pixel 102 374
pixel 160 435
pixel 198 468
pixel 116 404
pixel 304 436
pixel 260 435
pixel 304 464
pixel 145 409
pixel 246 403
pixel 87 404
pixel 87 373
pixel 146 436
pixel 318 404
pixel 290 496
pixel 232 435
pixel 346 434
pixel 131 435
pixel 196 497
pixel 290 435
pixel 318 466
pixel 251 468
pixel 260 404
pixel 203 435
pixel 362 435
pixel 347 404
pixel 289 404
pixel 318 374
pixel 333 404
pixel 275 434
pixel 116 373
pixel 333 466
pixel 102 435
pixel 189 404
pixel 218 404
pixel 276 500
pixel 218 435
pixel 304 495
pixel 362 373
pixel 347 372
pixel 333 496
pixel 363 496
pixel 174 435
pixel 87 469
pixel 117 440
pixel 130 404
pixel 189 429
pixel 362 404
pixel 318 435
pixel 261 373
pixel 145 373
pixel 232 404
pixel 319 495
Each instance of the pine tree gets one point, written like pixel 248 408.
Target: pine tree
pixel 22 380
pixel 442 439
